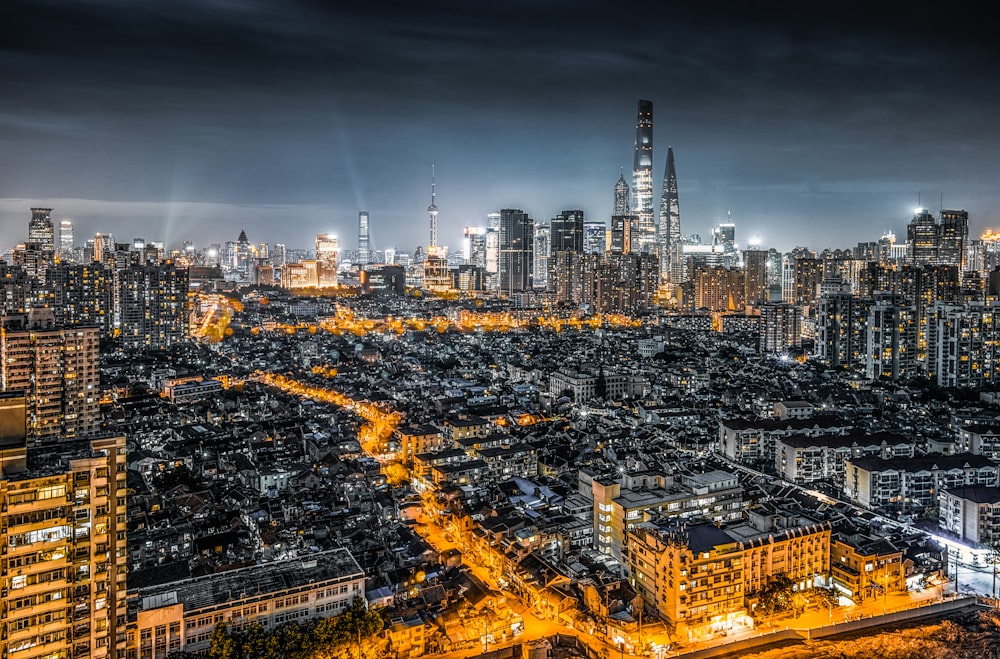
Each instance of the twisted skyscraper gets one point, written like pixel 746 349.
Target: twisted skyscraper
pixel 668 231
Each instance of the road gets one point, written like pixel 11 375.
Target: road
pixel 535 626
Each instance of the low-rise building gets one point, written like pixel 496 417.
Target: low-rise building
pixel 972 514
pixel 752 441
pixel 980 439
pixel 701 576
pixel 418 438
pixel 180 616
pixel 914 484
pixel 807 459
pixel 622 503
pixel 864 568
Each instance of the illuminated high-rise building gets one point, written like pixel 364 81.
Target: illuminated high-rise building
pixel 104 246
pixel 595 237
pixel 40 229
pixel 364 250
pixel 57 371
pixel 954 234
pixel 540 259
pixel 151 306
pixel 474 246
pixel 34 258
pixel 278 258
pixel 780 327
pixel 83 295
pixel 65 237
pixel 327 249
pixel 755 276
pixel 623 199
pixel 922 238
pixel 842 329
pixel 566 243
pixel 624 234
pixel 724 236
pixel 568 232
pixel 642 176
pixel 493 251
pixel 892 339
pixel 432 214
pixel 517 238
pixel 63 531
pixel 243 255
pixel 626 283
pixel 668 231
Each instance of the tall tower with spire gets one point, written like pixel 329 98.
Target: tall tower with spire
pixel 623 201
pixel 668 232
pixel 432 213
pixel 642 176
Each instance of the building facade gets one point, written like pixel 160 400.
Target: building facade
pixel 62 528
pixel 57 370
pixel 180 616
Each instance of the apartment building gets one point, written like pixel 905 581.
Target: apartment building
pixel 62 530
pixel 914 484
pixel 702 577
pixel 179 616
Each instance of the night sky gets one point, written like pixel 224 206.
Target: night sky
pixel 814 124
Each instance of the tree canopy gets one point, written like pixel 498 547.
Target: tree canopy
pixel 350 635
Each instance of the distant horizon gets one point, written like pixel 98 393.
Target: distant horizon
pixel 179 217
pixel 193 120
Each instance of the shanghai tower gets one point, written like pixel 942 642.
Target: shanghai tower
pixel 668 237
pixel 642 176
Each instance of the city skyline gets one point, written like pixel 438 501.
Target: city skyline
pixel 196 125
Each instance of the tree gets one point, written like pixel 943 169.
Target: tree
pixel 601 388
pixel 223 645
pixel 342 637
pixel 776 597
pixel 357 624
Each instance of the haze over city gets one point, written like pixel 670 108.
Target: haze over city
pixel 192 121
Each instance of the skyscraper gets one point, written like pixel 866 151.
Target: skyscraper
pixel 623 199
pixel 474 246
pixel 327 248
pixel 954 234
pixel 755 276
pixel 595 237
pixel 566 245
pixel 668 237
pixel 568 232
pixel 623 233
pixel 922 238
pixel 65 237
pixel 642 175
pixel 364 252
pixel 540 257
pixel 40 229
pixel 517 237
pixel 151 306
pixel 432 213
pixel 492 242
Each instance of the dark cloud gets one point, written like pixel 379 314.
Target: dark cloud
pixel 797 117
